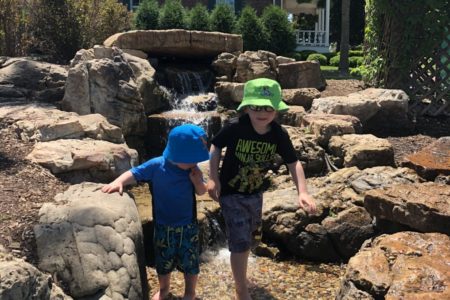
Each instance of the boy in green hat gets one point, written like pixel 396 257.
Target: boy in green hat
pixel 252 141
pixel 174 180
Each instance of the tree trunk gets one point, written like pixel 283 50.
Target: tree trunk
pixel 345 32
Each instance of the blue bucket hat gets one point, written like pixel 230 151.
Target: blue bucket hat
pixel 187 144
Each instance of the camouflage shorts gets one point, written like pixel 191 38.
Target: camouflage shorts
pixel 242 214
pixel 176 247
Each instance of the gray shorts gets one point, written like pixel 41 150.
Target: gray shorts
pixel 242 214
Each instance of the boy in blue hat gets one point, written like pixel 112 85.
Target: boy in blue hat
pixel 174 177
pixel 252 141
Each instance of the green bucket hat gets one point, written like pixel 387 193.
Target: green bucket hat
pixel 263 92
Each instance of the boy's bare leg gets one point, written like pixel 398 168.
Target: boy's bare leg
pixel 164 287
pixel 239 267
pixel 190 282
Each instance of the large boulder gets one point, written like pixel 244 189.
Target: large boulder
pixel 43 122
pixel 301 74
pixel 24 79
pixel 84 160
pixel 432 160
pixel 92 242
pixel 405 265
pixel 20 280
pixel 377 109
pixel 361 150
pixel 421 206
pixel 177 42
pixel 255 64
pixel 300 96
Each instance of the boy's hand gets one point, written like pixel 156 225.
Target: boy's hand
pixel 214 189
pixel 306 202
pixel 112 188
pixel 196 175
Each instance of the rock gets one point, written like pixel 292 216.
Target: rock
pixel 225 65
pixel 422 206
pixel 284 60
pixel 324 126
pixel 361 150
pixel 20 280
pixel 308 151
pixel 177 42
pixel 43 122
pixel 301 96
pixel 292 117
pixel 255 64
pixel 377 109
pixel 405 265
pixel 301 74
pixel 23 79
pixel 84 160
pixel 229 94
pixel 431 161
pixel 92 241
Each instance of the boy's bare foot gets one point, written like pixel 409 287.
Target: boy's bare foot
pixel 243 295
pixel 161 295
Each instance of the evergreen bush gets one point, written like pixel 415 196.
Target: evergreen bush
pixel 322 59
pixel 280 32
pixel 334 61
pixel 355 61
pixel 172 15
pixel 147 15
pixel 251 29
pixel 199 18
pixel 222 18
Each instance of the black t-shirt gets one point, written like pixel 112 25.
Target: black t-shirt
pixel 249 155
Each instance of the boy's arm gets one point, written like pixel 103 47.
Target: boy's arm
pixel 117 185
pixel 196 177
pixel 214 182
pixel 305 201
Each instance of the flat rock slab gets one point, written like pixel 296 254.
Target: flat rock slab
pixel 422 206
pixel 324 126
pixel 431 161
pixel 43 122
pixel 405 265
pixel 177 42
pixel 81 160
pixel 93 242
pixel 361 150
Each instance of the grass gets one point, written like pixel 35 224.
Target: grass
pixel 331 72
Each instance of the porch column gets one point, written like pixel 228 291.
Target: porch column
pixel 327 23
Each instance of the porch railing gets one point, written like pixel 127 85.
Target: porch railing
pixel 311 38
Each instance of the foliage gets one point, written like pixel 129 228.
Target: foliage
pixel 322 59
pixel 280 33
pixel 334 61
pixel 306 53
pixel 199 18
pixel 306 21
pixel 251 29
pixel 13 27
pixel 397 35
pixel 355 61
pixel 295 55
pixel 172 15
pixel 147 15
pixel 223 18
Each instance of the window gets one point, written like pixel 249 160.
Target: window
pixel 229 2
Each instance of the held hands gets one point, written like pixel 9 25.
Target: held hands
pixel 306 202
pixel 214 189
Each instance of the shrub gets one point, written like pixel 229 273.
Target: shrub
pixel 295 55
pixel 355 53
pixel 334 61
pixel 322 59
pixel 357 72
pixel 172 15
pixel 147 15
pixel 355 61
pixel 306 53
pixel 13 27
pixel 199 18
pixel 222 18
pixel 250 26
pixel 280 33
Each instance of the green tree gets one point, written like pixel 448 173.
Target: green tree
pixel 54 29
pixel 172 15
pixel 13 27
pixel 280 33
pixel 147 15
pixel 199 18
pixel 251 29
pixel 223 18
